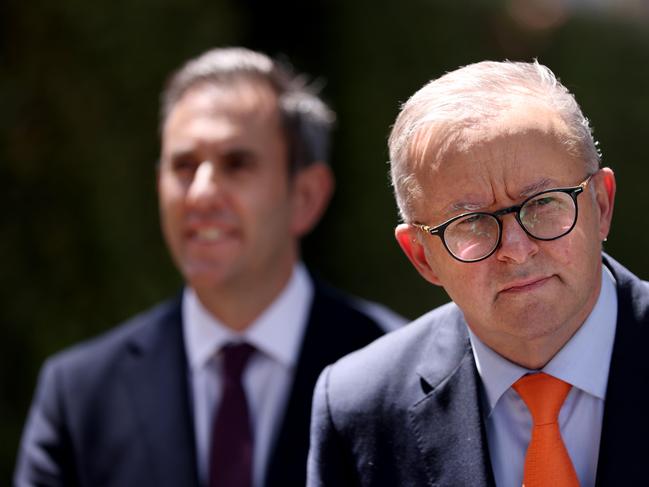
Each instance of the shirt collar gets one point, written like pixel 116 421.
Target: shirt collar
pixel 276 332
pixel 582 362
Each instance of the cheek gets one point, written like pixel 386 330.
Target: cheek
pixel 466 283
pixel 264 201
pixel 171 203
pixel 577 248
pixel 252 206
pixel 262 215
pixel 169 190
pixel 564 251
pixel 474 300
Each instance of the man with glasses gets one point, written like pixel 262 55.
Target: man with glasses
pixel 535 374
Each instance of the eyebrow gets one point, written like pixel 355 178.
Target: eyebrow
pixel 529 190
pixel 180 152
pixel 541 185
pixel 188 151
pixel 464 205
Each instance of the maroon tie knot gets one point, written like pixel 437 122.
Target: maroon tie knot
pixel 235 358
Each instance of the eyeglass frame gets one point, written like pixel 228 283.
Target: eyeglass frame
pixel 572 191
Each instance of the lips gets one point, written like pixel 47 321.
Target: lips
pixel 525 285
pixel 208 234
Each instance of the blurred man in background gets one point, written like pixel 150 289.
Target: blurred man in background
pixel 536 373
pixel 213 387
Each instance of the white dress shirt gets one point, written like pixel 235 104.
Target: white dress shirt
pixel 276 334
pixel 584 363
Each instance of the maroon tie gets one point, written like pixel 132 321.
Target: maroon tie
pixel 231 452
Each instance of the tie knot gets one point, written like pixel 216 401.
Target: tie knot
pixel 543 395
pixel 235 357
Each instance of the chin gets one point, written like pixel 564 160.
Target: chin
pixel 537 331
pixel 532 321
pixel 205 277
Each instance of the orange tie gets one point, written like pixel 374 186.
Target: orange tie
pixel 547 463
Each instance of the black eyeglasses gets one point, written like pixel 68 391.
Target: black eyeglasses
pixel 547 215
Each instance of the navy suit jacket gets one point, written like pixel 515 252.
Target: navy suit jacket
pixel 406 410
pixel 116 411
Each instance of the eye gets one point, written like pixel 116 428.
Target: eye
pixel 470 224
pixel 471 219
pixel 543 201
pixel 473 225
pixel 239 161
pixel 547 204
pixel 184 165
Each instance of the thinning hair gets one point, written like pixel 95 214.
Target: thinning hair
pixel 466 100
pixel 306 120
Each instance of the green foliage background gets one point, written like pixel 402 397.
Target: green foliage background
pixel 80 247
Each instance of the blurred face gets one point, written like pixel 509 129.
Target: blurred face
pixel 224 190
pixel 528 298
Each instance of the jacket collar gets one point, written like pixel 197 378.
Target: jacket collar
pixel 154 370
pixel 445 421
pixel 625 427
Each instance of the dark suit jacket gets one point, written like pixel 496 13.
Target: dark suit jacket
pixel 406 411
pixel 116 411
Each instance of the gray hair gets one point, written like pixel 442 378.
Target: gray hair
pixel 467 99
pixel 306 119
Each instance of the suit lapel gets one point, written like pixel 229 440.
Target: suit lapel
pixel 334 329
pixel 447 422
pixel 155 372
pixel 625 428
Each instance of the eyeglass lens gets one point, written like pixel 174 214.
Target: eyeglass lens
pixel 546 216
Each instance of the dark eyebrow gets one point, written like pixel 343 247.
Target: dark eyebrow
pixel 239 152
pixel 235 152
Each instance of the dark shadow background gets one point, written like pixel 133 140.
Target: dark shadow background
pixel 80 247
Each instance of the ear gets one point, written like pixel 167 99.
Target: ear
pixel 605 197
pixel 410 242
pixel 312 188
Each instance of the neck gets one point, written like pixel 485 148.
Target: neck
pixel 533 354
pixel 238 306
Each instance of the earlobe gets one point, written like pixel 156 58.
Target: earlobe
pixel 605 200
pixel 411 245
pixel 312 190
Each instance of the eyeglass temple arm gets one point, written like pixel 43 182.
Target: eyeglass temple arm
pixel 426 228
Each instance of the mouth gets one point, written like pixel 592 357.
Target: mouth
pixel 207 234
pixel 525 285
pixel 211 234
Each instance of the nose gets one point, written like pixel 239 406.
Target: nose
pixel 205 187
pixel 516 246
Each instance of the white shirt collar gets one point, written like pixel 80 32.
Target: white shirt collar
pixel 277 331
pixel 583 361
